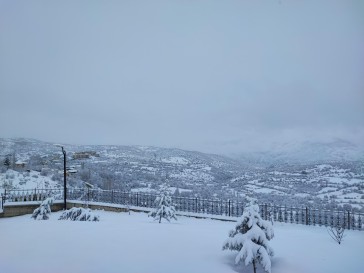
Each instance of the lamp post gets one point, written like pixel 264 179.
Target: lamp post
pixel 64 177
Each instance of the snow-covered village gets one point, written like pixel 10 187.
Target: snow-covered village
pixel 181 136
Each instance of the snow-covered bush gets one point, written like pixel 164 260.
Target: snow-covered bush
pixel 42 213
pixel 79 214
pixel 250 237
pixel 164 207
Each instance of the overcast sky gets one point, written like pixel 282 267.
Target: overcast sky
pixel 215 76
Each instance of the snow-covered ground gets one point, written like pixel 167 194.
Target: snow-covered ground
pixel 136 244
pixel 25 180
pixel 153 191
pixel 176 160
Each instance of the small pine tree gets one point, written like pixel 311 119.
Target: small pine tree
pixel 7 162
pixel 250 237
pixel 42 213
pixel 165 208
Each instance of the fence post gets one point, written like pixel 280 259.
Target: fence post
pixel 306 216
pixel 229 207
pixel 88 196
pixel 348 219
pixel 112 196
pixel 137 199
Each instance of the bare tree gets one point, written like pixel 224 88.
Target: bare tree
pixel 336 233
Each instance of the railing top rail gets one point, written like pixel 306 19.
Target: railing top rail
pixel 38 189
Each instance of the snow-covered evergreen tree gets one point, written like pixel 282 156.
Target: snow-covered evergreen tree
pixel 164 208
pixel 79 214
pixel 250 237
pixel 42 213
pixel 7 162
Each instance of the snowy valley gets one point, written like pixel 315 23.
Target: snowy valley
pixel 329 185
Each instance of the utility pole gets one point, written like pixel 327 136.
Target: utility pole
pixel 64 179
pixel 64 176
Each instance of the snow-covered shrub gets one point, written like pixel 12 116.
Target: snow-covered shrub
pixel 164 207
pixel 8 184
pixel 9 176
pixel 250 237
pixel 44 172
pixel 79 214
pixel 42 213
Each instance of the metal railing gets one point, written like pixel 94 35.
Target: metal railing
pixel 226 208
pixel 31 195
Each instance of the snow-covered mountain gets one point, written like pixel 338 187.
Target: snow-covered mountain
pixel 126 167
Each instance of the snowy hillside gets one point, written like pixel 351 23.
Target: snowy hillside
pixel 330 184
pixel 321 185
pixel 126 166
pixel 137 244
pixel 25 180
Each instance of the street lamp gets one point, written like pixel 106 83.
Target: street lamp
pixel 64 177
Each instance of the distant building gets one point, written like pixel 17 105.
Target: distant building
pixel 20 164
pixel 84 155
pixel 71 171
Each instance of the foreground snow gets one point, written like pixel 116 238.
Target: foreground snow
pixel 136 244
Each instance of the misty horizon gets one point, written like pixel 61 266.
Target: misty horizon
pixel 216 77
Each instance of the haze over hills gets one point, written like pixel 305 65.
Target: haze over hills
pixel 304 152
pixel 328 175
pixel 299 152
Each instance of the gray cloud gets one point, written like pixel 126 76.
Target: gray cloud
pixel 211 75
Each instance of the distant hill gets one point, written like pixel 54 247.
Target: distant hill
pixel 306 152
pixel 126 167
